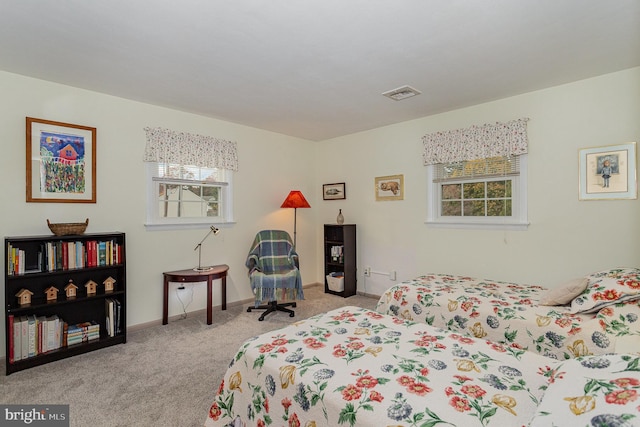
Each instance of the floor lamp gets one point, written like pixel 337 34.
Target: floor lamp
pixel 295 200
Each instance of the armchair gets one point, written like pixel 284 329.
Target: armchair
pixel 274 272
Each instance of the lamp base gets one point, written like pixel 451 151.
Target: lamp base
pixel 202 268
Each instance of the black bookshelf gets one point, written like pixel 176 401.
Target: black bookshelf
pixel 43 266
pixel 343 236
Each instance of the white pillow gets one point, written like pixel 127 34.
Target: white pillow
pixel 564 293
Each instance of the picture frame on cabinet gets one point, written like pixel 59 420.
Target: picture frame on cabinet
pixel 389 187
pixel 608 172
pixel 336 191
pixel 61 162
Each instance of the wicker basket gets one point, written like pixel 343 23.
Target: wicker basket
pixel 68 228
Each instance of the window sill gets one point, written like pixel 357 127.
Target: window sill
pixel 514 226
pixel 184 226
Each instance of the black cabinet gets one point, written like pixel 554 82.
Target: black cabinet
pixel 340 257
pixel 77 291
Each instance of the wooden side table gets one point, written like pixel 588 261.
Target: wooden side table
pixel 186 276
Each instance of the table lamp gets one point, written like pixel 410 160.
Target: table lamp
pixel 213 230
pixel 295 200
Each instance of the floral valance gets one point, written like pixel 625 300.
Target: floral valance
pixel 476 142
pixel 167 146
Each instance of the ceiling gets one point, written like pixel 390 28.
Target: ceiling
pixel 316 69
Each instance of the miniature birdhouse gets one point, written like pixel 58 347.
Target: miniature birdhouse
pixel 109 284
pixel 52 293
pixel 91 287
pixel 71 289
pixel 24 296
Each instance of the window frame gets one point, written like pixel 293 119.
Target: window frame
pixel 155 222
pixel 517 221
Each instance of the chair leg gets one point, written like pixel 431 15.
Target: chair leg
pixel 273 306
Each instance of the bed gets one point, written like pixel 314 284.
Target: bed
pixel 596 314
pixel 354 366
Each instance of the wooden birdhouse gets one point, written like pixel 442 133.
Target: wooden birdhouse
pixel 24 296
pixel 71 290
pixel 52 293
pixel 91 287
pixel 109 284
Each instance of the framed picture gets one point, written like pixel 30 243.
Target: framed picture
pixel 608 172
pixel 61 162
pixel 389 187
pixel 335 191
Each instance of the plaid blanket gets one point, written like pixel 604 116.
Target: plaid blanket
pixel 273 267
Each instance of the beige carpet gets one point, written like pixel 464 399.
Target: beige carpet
pixel 163 376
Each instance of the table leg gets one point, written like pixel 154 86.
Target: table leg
pixel 165 302
pixel 209 299
pixel 224 291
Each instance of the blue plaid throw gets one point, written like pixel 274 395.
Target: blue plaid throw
pixel 272 264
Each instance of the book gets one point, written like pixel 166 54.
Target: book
pixel 102 253
pixel 31 338
pixel 25 337
pixel 52 327
pixel 110 316
pixel 118 318
pixel 17 341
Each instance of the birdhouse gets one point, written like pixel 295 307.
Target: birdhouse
pixel 52 293
pixel 24 296
pixel 109 284
pixel 71 289
pixel 91 287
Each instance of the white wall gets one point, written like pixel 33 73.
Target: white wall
pixel 270 165
pixel 567 238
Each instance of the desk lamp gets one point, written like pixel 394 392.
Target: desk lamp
pixel 213 230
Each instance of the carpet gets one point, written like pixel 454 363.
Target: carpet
pixel 164 375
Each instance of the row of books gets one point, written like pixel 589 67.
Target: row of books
pixel 113 310
pixel 64 255
pixel 83 332
pixel 33 335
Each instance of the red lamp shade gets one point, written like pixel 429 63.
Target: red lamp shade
pixel 295 199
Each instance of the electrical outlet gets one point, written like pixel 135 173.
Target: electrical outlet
pixel 367 271
pixel 392 275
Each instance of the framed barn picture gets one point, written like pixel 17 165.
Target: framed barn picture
pixel 61 162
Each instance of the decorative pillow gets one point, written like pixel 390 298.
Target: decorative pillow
pixel 606 288
pixel 564 293
pixel 593 391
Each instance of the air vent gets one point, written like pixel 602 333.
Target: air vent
pixel 401 93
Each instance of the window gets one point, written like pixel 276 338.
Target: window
pixel 182 194
pixel 483 193
pixel 189 179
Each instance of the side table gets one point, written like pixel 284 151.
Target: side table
pixel 186 276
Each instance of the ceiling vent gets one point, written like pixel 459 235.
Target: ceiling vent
pixel 401 93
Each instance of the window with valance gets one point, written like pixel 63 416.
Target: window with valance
pixel 189 179
pixel 477 176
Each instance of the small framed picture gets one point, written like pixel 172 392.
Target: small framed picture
pixel 389 187
pixel 61 162
pixel 608 172
pixel 335 191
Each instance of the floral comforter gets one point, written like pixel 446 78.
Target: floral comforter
pixel 353 366
pixel 509 314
